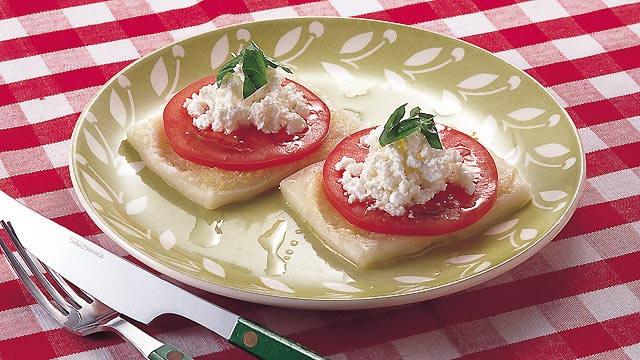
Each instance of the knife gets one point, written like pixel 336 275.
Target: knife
pixel 133 291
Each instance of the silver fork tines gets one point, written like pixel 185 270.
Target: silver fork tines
pixel 58 307
pixel 77 311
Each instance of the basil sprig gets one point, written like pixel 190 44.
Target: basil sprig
pixel 254 66
pixel 397 128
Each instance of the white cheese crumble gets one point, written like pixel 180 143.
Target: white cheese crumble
pixel 269 109
pixel 401 174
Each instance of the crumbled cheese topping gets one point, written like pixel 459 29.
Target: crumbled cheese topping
pixel 404 173
pixel 269 109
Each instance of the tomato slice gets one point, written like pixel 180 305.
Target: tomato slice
pixel 449 211
pixel 247 148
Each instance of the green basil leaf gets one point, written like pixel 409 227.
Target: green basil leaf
pixel 428 129
pixel 255 71
pixel 404 128
pixel 396 116
pixel 393 120
pixel 396 128
pixel 275 64
pixel 227 68
pixel 254 67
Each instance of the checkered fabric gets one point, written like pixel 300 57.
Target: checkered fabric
pixel 579 297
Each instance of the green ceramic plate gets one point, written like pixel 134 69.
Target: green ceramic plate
pixel 258 251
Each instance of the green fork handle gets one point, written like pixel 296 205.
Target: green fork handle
pixel 268 345
pixel 149 346
pixel 168 352
pixel 253 338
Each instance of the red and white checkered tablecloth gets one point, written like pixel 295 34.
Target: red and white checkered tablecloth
pixel 577 298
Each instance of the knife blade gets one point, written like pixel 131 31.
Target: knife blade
pixel 133 291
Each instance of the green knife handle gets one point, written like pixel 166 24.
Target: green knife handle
pixel 168 352
pixel 266 344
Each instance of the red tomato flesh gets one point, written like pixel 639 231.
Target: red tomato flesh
pixel 449 211
pixel 247 148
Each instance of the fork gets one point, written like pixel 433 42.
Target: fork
pixel 76 310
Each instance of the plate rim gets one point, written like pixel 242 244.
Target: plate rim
pixel 326 303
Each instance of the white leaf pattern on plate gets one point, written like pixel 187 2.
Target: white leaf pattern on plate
pixel 276 285
pixel 95 186
pixel 101 189
pixel 159 77
pixel 488 129
pixel 513 156
pixel 464 258
pixel 530 115
pixel 427 56
pixel 130 168
pixel 213 267
pixel 395 80
pixel 551 196
pixel 554 120
pixel 508 227
pixel 550 151
pixel 243 35
pixel 124 81
pixel 219 52
pixel 502 227
pixel 449 105
pixel 118 111
pixel 528 234
pixel 359 42
pixel 91 118
pixel 483 266
pixel 167 239
pixel 337 72
pixel 136 206
pixel 178 53
pixel 95 147
pixel 412 279
pixel 287 42
pixel 525 114
pixel 340 287
pixel 469 263
pixel 356 43
pixel 423 57
pixel 316 29
pixel 478 81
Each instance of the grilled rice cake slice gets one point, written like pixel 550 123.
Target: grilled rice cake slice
pixel 304 194
pixel 213 187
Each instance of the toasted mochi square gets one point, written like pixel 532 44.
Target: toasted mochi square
pixel 304 193
pixel 213 187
